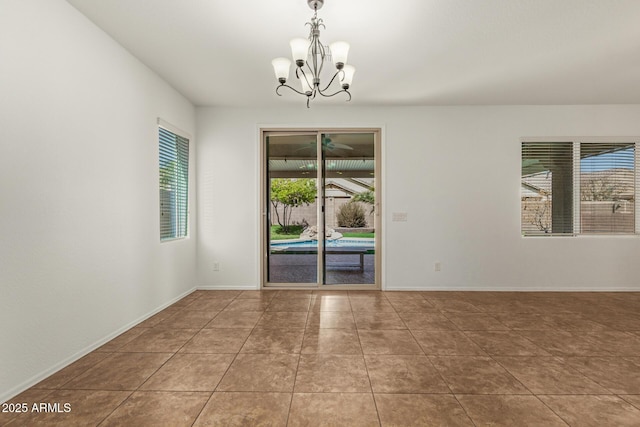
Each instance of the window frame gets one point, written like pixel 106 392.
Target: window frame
pixel 577 141
pixel 162 124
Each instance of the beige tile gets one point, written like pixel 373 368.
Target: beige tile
pixel 453 305
pixel 476 375
pixel 158 408
pixel 330 319
pixel 524 321
pixel 72 371
pixel 278 320
pixel 120 371
pixel 420 410
pixel 572 322
pixel 620 375
pixel 370 304
pixel 217 341
pixel 212 305
pixel 427 322
pixel 564 343
pixel 618 320
pixel 274 341
pixel 446 343
pixel 593 411
pixel 235 319
pixel 549 375
pixel 186 300
pixel 375 303
pixel 593 340
pixel 231 409
pixel 332 341
pixel 413 306
pixel 83 408
pixel 509 411
pixel 158 317
pixel 220 295
pixel 634 399
pixel 291 293
pixel 248 304
pixel 616 343
pixel 505 343
pixel 330 303
pixel 329 292
pixel 264 295
pixel 289 305
pixel 330 373
pixel 261 372
pixel 385 320
pixel 404 374
pixel 333 409
pixel 122 339
pixel 475 322
pixel 190 372
pixel 388 342
pixel 186 319
pixel 393 296
pixel 363 293
pixel 160 340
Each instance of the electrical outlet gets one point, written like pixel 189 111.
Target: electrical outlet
pixel 437 266
pixel 216 266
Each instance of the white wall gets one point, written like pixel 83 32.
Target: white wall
pixel 454 170
pixel 80 256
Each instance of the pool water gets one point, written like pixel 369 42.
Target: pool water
pixel 339 243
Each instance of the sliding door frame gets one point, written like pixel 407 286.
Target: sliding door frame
pixel 263 250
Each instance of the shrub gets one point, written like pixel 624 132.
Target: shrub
pixel 351 215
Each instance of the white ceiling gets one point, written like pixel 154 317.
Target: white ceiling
pixel 407 52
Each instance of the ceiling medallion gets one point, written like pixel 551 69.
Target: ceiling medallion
pixel 309 56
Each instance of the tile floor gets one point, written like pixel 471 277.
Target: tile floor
pixel 306 358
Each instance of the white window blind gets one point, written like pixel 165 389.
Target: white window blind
pixel 547 188
pixel 174 184
pixel 607 188
pixel 578 187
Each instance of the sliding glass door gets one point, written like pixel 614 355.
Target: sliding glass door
pixel 320 211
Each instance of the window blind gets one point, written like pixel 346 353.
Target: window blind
pixel 174 184
pixel 607 188
pixel 547 188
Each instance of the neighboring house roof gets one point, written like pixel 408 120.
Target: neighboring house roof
pixel 349 186
pixel 536 184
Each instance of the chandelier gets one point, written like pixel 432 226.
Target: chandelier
pixel 309 56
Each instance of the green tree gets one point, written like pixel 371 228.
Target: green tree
pixel 291 193
pixel 367 196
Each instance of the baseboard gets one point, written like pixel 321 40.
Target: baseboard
pixel 5 396
pixel 465 288
pixel 229 288
pixel 511 288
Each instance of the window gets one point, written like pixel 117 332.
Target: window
pixel 576 187
pixel 174 184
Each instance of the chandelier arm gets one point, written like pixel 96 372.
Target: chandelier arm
pixel 331 81
pixel 293 89
pixel 334 94
pixel 305 77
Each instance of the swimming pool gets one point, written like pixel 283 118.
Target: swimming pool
pixel 339 243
